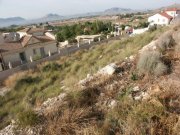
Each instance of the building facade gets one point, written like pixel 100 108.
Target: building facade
pixel 164 18
pixel 28 48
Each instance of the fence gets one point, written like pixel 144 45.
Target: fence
pixel 63 52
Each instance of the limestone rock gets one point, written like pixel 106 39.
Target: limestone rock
pixel 109 69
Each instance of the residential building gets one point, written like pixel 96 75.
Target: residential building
pixel 160 19
pixel 173 12
pixel 164 18
pixel 31 31
pixel 16 51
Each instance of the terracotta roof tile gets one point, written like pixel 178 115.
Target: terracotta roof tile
pixel 33 30
pixel 166 15
pixel 44 38
pixel 5 47
pixel 172 9
pixel 25 30
pixel 25 40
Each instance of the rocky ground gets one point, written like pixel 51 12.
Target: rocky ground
pixel 113 81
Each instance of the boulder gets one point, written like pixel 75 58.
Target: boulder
pixel 51 103
pixel 150 47
pixel 136 89
pixel 112 103
pixel 109 69
pixel 131 58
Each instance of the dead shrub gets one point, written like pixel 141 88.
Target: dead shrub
pixel 151 63
pixel 11 80
pixel 72 121
pixel 86 97
pixel 165 41
pixel 176 36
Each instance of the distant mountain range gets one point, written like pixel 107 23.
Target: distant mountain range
pixel 10 21
pixel 117 10
pixel 5 22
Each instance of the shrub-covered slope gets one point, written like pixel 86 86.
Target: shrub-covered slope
pixel 134 100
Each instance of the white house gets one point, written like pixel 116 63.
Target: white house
pixel 172 12
pixel 165 17
pixel 160 19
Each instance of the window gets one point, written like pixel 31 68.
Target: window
pixel 34 51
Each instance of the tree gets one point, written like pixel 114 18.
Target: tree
pixel 59 37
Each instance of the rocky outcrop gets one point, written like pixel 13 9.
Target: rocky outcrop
pixel 150 47
pixel 109 69
pixel 51 104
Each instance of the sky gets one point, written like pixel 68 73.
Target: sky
pixel 30 9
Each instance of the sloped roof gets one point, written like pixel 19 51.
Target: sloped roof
pixel 172 9
pixel 25 40
pixel 5 47
pixel 166 15
pixel 44 38
pixel 11 46
pixel 25 30
pixel 32 30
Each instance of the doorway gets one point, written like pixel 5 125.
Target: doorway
pixel 23 57
pixel 1 65
pixel 42 51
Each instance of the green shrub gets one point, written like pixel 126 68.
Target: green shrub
pixel 150 63
pixel 52 66
pixel 152 28
pixel 37 57
pixel 134 77
pixel 26 81
pixel 28 118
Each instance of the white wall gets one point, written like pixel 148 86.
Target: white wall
pixel 158 19
pixel 13 58
pixel 50 35
pixel 50 47
pixel 22 34
pixel 140 31
pixel 1 68
pixel 29 53
pixel 172 13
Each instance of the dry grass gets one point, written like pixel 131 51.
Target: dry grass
pixel 150 63
pixel 73 121
pixel 9 82
pixel 165 41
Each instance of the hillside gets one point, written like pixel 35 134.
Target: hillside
pixel 137 94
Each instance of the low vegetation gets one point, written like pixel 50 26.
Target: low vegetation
pixel 36 86
pixel 151 63
pixel 88 28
